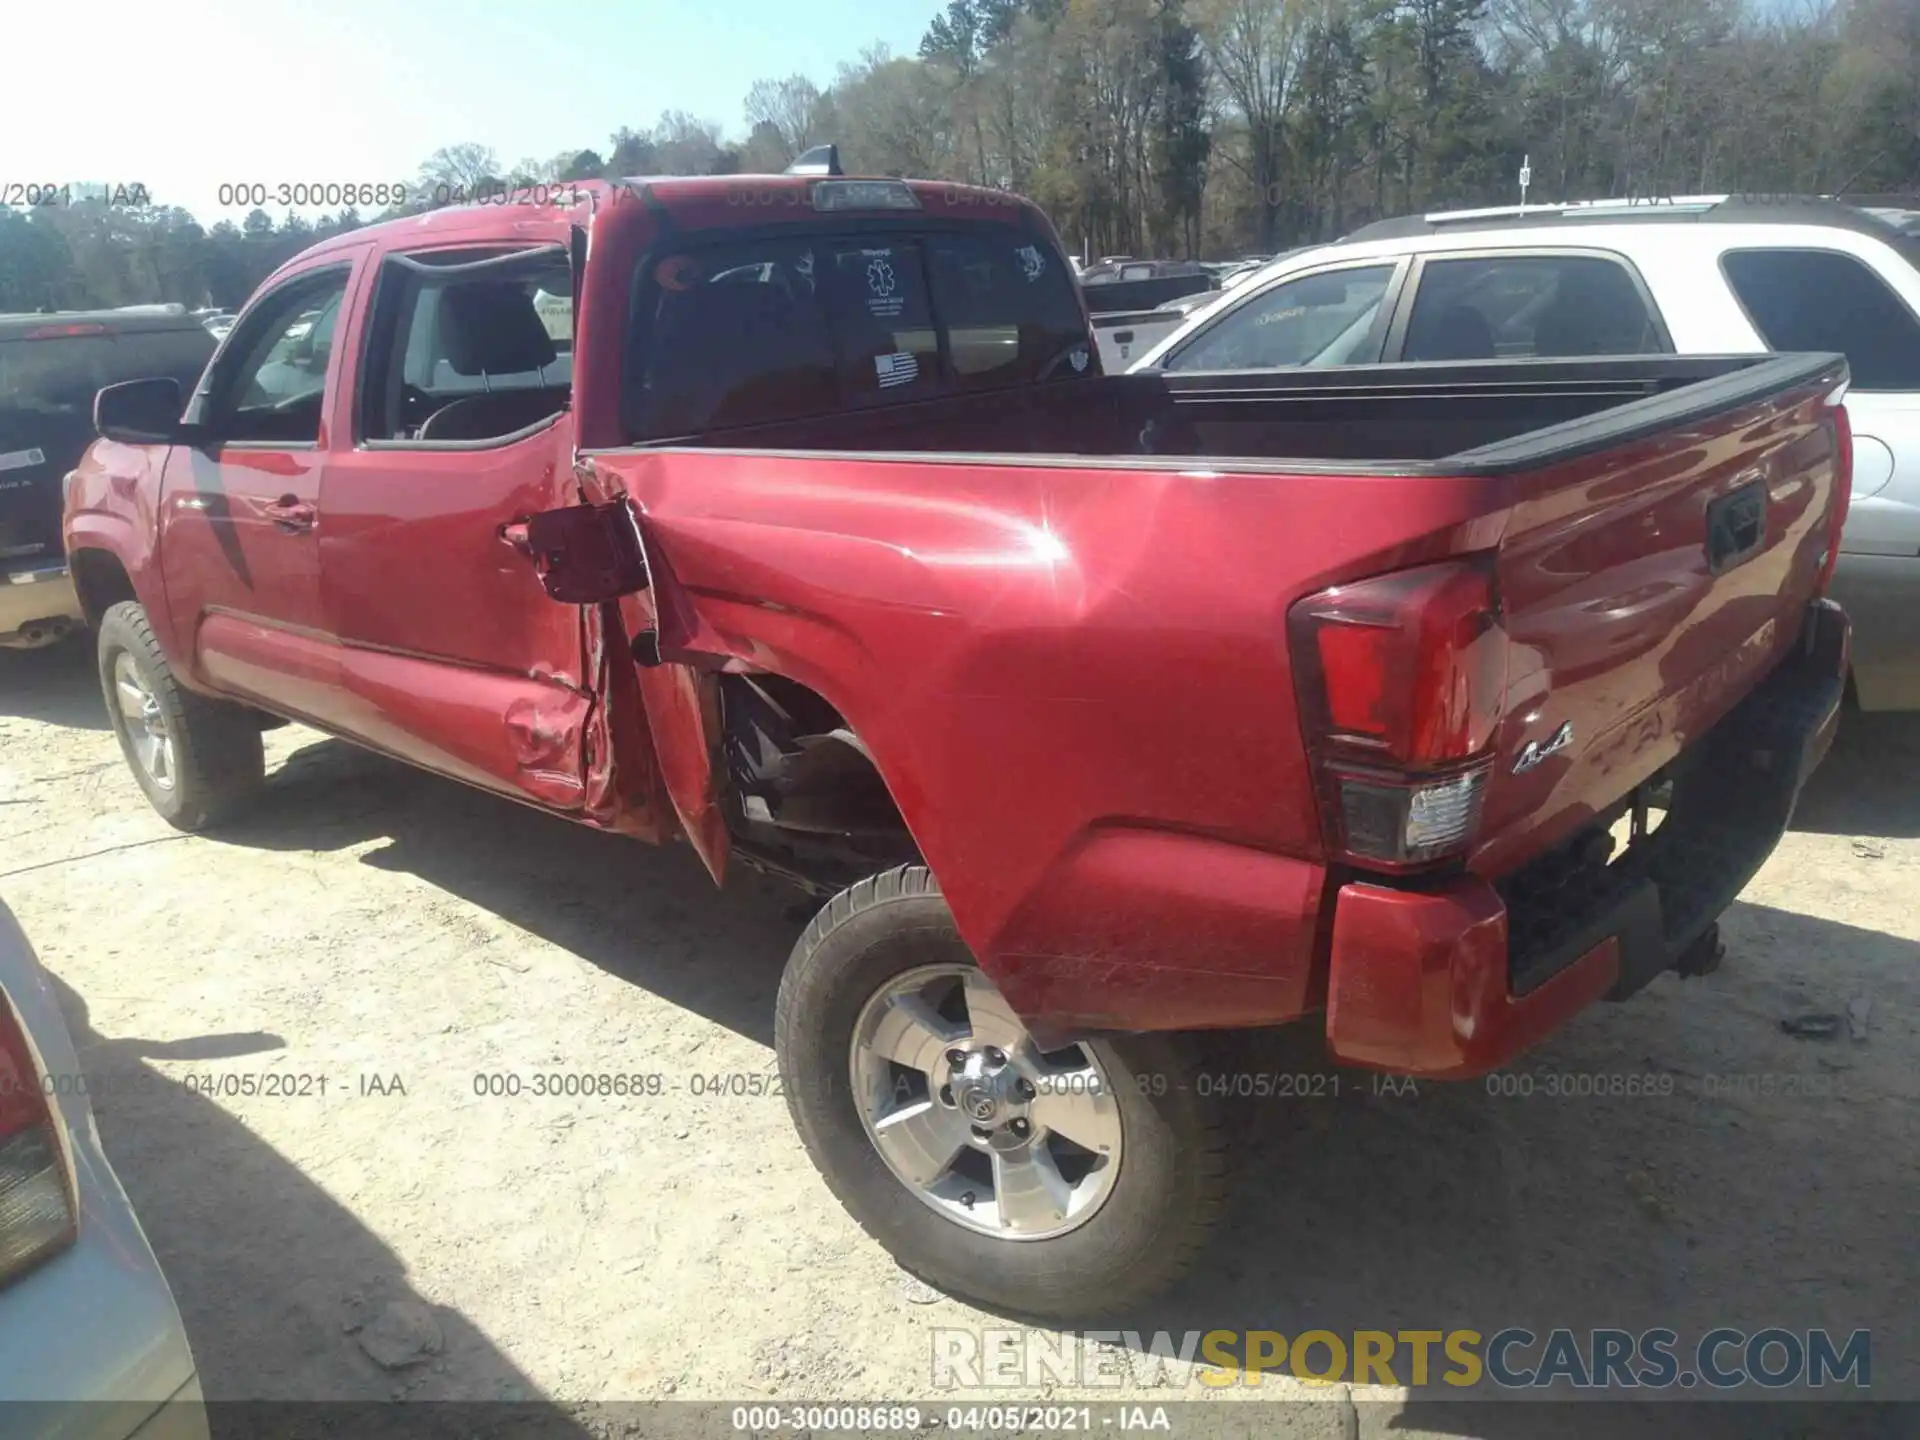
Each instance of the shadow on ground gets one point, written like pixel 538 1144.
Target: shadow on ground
pixel 1368 1209
pixel 58 685
pixel 1870 781
pixel 269 1318
pixel 1482 1206
pixel 1365 1209
pixel 586 892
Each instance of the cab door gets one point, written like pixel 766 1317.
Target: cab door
pixel 452 658
pixel 239 519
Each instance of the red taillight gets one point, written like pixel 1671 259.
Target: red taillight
pixel 1402 680
pixel 37 1213
pixel 1842 484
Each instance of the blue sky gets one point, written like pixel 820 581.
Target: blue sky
pixel 188 95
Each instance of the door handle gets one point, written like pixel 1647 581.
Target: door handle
pixel 290 512
pixel 515 534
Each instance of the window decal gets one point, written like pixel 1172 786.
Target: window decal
pixel 899 368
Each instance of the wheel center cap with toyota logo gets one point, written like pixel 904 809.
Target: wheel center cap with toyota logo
pixel 980 1103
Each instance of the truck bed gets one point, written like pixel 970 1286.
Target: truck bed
pixel 1443 417
pixel 1060 618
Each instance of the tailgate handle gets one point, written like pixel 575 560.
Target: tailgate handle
pixel 1736 526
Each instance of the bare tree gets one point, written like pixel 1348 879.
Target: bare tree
pixel 791 107
pixel 1254 50
pixel 460 168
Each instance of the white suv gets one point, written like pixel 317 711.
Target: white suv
pixel 1708 275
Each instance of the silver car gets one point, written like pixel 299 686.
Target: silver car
pixel 85 1314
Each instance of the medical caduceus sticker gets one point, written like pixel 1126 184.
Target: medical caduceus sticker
pixel 880 277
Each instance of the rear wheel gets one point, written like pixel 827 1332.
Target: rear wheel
pixel 198 761
pixel 1058 1184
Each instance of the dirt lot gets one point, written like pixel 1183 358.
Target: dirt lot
pixel 397 936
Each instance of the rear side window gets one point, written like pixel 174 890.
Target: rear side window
pixel 1813 300
pixel 468 355
pixel 787 326
pixel 1528 307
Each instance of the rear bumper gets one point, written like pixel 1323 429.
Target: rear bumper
pixel 1455 980
pixel 37 606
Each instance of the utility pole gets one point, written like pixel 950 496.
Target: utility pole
pixel 1526 180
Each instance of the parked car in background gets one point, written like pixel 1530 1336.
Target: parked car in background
pixel 1124 271
pixel 1124 336
pixel 91 1345
pixel 1096 710
pixel 1706 275
pixel 1907 222
pixel 51 366
pixel 1244 270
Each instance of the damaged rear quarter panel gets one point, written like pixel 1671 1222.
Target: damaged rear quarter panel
pixel 1074 682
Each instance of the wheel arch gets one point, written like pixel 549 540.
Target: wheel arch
pixel 110 562
pixel 100 580
pixel 807 796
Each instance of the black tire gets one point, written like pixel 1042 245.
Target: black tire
pixel 1167 1199
pixel 218 766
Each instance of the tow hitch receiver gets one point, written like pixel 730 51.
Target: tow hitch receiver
pixel 1703 956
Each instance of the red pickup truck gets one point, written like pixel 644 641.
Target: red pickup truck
pixel 1435 702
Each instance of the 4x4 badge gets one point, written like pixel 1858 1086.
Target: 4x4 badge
pixel 1538 750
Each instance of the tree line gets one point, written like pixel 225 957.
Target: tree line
pixel 1203 128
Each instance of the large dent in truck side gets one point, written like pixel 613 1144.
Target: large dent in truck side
pixel 663 713
pixel 1072 680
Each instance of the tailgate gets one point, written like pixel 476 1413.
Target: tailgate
pixel 1649 582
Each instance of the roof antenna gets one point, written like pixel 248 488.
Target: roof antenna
pixel 820 160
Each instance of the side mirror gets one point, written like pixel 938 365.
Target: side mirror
pixel 139 412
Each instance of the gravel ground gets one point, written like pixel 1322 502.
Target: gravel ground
pixel 382 941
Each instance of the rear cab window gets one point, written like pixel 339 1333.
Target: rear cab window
pixel 807 321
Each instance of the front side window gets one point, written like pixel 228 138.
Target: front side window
pixel 786 326
pixel 1314 320
pixel 274 379
pixel 1528 307
pixel 1815 300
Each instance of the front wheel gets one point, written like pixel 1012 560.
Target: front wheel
pixel 1060 1185
pixel 198 761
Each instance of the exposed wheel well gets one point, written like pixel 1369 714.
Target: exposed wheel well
pixel 101 582
pixel 807 800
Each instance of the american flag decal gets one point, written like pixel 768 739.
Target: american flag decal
pixel 899 368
